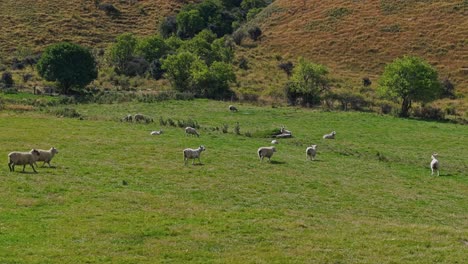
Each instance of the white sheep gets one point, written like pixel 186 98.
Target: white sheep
pixel 311 152
pixel 330 136
pixel 22 158
pixel 191 131
pixel 46 155
pixel 435 164
pixel 232 108
pixel 193 154
pixel 274 141
pixel 156 132
pixel 283 130
pixel 127 118
pixel 266 152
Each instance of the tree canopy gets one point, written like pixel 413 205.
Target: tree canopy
pixel 71 65
pixel 410 79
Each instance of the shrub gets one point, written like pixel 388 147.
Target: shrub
pixel 109 9
pixel 287 67
pixel 7 80
pixel 135 66
pixel 366 82
pixel 67 112
pixel 429 113
pixel 243 63
pixel 155 69
pixel 122 51
pixel 168 26
pixel 254 32
pixel 224 128
pixel 238 36
pixel 448 89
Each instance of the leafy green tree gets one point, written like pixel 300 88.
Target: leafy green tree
pixel 220 51
pixel 308 81
pixel 152 48
pixel 122 51
pixel 189 23
pixel 249 4
pixel 71 65
pixel 168 26
pixel 213 82
pixel 231 3
pixel 410 79
pixel 179 68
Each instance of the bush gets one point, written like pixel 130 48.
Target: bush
pixel 168 27
pixel 155 69
pixel 67 112
pixel 238 36
pixel 109 9
pixel 287 67
pixel 429 113
pixel 243 63
pixel 135 66
pixel 7 80
pixel 254 32
pixel 224 128
pixel 366 82
pixel 448 89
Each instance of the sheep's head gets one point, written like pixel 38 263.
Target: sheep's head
pixel 53 150
pixel 202 148
pixel 434 155
pixel 333 133
pixel 274 149
pixel 313 146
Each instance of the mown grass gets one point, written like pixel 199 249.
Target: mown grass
pixel 352 205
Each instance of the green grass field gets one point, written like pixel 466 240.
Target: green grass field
pixel 368 198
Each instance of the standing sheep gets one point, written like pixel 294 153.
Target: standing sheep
pixel 330 136
pixel 46 155
pixel 232 108
pixel 191 131
pixel 22 158
pixel 193 154
pixel 311 152
pixel 266 152
pixel 435 164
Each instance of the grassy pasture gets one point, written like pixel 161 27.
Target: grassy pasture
pixel 352 205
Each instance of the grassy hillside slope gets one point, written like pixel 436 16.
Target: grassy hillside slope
pixel 369 197
pixel 357 38
pixel 34 24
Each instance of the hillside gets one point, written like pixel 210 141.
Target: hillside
pixel 33 24
pixel 358 38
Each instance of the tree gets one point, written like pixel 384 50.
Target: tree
pixel 168 26
pixel 213 82
pixel 308 81
pixel 189 23
pixel 254 32
pixel 410 79
pixel 122 51
pixel 68 64
pixel 179 68
pixel 249 4
pixel 152 48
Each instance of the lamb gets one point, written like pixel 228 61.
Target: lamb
pixel 127 118
pixel 22 158
pixel 46 155
pixel 274 141
pixel 193 154
pixel 435 164
pixel 191 131
pixel 232 108
pixel 156 132
pixel 311 152
pixel 330 136
pixel 266 152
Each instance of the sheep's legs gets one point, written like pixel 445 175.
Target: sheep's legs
pixel 33 168
pixel 11 166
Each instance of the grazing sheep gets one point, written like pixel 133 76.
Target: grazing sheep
pixel 330 136
pixel 232 108
pixel 22 158
pixel 274 141
pixel 46 155
pixel 266 152
pixel 311 152
pixel 435 164
pixel 193 154
pixel 156 132
pixel 191 131
pixel 127 118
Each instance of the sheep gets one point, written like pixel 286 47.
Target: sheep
pixel 22 158
pixel 191 131
pixel 46 155
pixel 232 108
pixel 311 152
pixel 283 130
pixel 266 152
pixel 156 132
pixel 143 118
pixel 330 136
pixel 274 141
pixel 127 118
pixel 193 154
pixel 435 164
